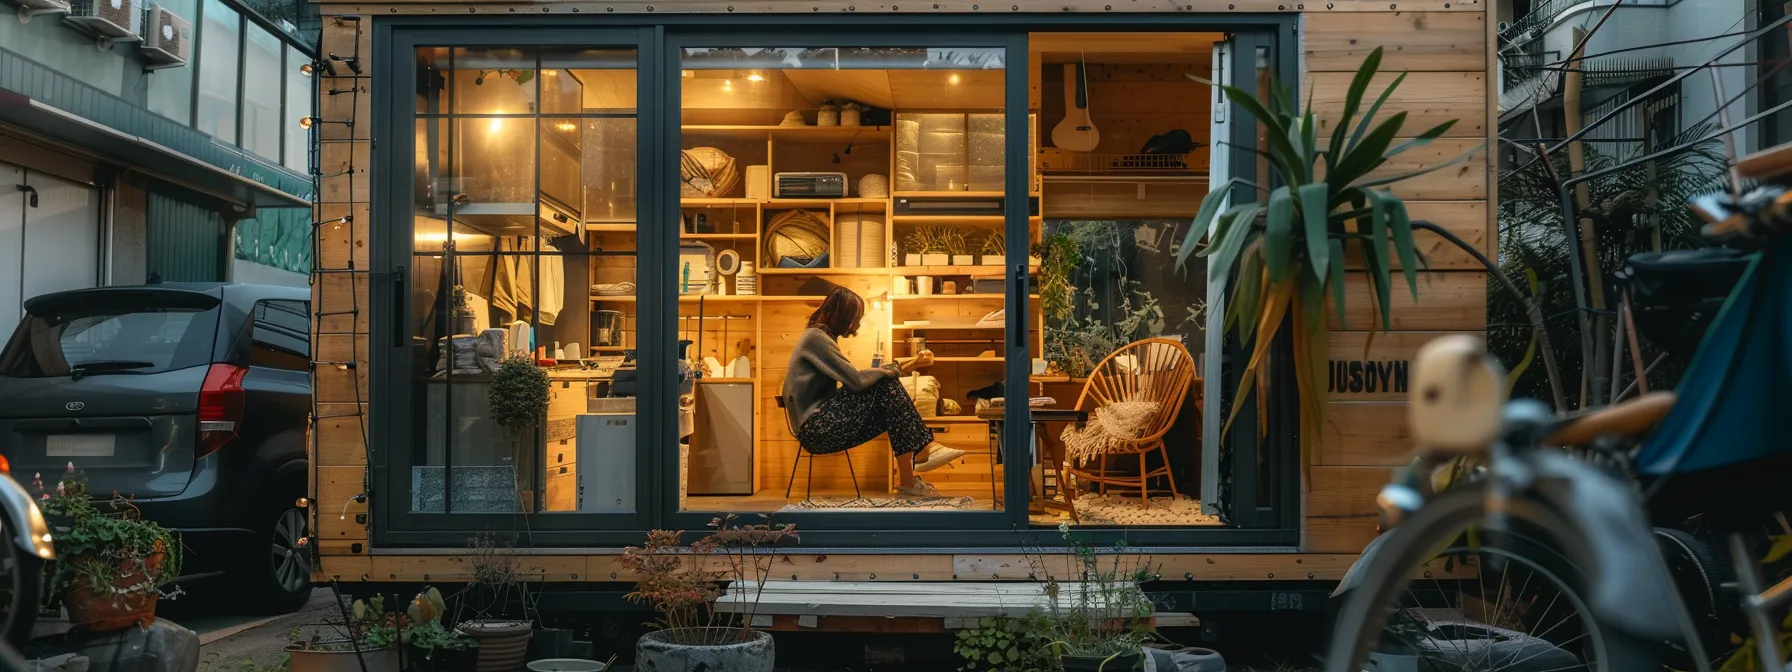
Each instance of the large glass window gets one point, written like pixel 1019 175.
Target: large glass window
pixel 811 170
pixel 171 89
pixel 261 93
pixel 220 51
pixel 298 106
pixel 523 251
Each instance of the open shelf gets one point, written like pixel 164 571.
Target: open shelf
pixel 613 299
pixel 718 236
pixel 948 219
pixel 969 360
pixel 824 271
pixel 817 133
pixel 610 228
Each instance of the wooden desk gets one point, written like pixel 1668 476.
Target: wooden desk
pixel 1054 459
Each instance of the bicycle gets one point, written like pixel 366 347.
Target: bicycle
pixel 1579 528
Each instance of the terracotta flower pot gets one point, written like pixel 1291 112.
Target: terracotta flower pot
pixel 91 611
pixel 331 660
pixel 503 645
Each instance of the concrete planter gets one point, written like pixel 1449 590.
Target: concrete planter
pixel 689 650
pixel 503 645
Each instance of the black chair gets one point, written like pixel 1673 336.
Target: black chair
pixel 808 485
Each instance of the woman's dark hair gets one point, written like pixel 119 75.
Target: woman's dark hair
pixel 839 314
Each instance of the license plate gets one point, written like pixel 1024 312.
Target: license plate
pixel 81 445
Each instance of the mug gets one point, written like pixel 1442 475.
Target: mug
pixel 924 285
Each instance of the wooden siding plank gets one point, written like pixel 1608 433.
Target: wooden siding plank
pixel 1339 535
pixel 1448 301
pixel 1464 181
pixel 1466 219
pixel 340 435
pixel 337 182
pixel 1345 492
pixel 1415 41
pixel 343 243
pixel 1378 372
pixel 1427 98
pixel 1368 434
pixel 333 506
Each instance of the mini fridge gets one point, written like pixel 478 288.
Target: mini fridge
pixel 606 465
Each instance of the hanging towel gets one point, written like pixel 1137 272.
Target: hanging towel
pixel 552 292
pixel 512 279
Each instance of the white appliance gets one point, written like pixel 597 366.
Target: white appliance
pixel 31 8
pixel 107 19
pixel 167 38
pixel 606 462
pixel 721 461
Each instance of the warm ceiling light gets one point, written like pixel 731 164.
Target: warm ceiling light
pixel 307 69
pixel 953 79
pixel 306 122
pixel 567 126
pixel 688 73
pixel 754 76
pixel 727 85
pixel 495 126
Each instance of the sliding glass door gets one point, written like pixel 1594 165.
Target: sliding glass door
pixel 512 240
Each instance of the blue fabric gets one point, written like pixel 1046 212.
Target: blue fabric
pixel 1735 401
pixel 803 262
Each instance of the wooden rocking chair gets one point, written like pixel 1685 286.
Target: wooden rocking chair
pixel 1157 370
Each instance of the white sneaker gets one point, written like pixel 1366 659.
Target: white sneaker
pixel 920 488
pixel 938 457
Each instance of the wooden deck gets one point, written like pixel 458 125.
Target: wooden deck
pixel 932 606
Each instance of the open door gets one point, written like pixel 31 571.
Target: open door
pixel 1217 173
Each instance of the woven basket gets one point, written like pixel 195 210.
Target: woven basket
pixel 707 172
pixel 795 233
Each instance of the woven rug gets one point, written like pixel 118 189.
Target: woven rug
pixel 879 503
pixel 1115 509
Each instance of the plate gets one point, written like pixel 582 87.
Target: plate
pixel 81 445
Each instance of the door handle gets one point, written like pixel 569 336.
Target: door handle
pixel 400 325
pixel 1017 288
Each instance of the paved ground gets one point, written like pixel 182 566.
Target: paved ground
pixel 227 643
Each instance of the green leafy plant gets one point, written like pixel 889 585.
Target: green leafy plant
pixel 1058 258
pixel 1100 610
pixel 994 244
pixel 518 397
pixel 425 631
pixel 999 644
pixel 107 547
pixel 215 663
pixel 1288 250
pixel 369 626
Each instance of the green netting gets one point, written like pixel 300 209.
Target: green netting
pixel 277 237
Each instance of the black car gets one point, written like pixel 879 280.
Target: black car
pixel 191 399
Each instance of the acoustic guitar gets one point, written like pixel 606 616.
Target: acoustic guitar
pixel 1076 133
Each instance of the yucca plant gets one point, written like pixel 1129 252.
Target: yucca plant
pixel 1288 248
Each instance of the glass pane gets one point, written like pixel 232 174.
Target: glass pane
pixel 1117 310
pixel 501 209
pixel 298 106
pixel 171 89
pixel 494 81
pixel 261 94
pixel 220 44
pixel 786 159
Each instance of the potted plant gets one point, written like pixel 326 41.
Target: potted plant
pixel 958 246
pixel 995 249
pixel 462 311
pixel 678 582
pixel 503 642
pixel 1100 621
pixel 1287 252
pixel 111 563
pixel 430 646
pixel 517 400
pixel 370 642
pixel 926 246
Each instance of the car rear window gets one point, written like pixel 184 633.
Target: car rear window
pixel 119 332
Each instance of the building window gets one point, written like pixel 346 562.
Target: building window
pixel 298 106
pixel 503 135
pixel 171 89
pixel 261 94
pixel 220 50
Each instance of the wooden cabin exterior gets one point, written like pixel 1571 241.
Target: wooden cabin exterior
pixel 376 370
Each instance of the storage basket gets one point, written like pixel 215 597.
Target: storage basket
pixel 707 172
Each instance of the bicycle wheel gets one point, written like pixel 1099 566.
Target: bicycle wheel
pixel 1506 604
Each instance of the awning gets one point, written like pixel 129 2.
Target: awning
pixel 145 155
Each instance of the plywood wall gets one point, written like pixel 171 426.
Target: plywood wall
pixel 1443 43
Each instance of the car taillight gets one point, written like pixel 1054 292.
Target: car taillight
pixel 5 466
pixel 220 407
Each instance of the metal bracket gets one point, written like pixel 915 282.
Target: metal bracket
pixel 31 199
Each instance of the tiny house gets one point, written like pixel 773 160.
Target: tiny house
pixel 649 199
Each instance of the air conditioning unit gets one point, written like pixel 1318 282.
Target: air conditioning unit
pixel 30 8
pixel 167 38
pixel 115 20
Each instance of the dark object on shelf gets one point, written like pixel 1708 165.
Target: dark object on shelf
pixel 1676 295
pixel 803 262
pixel 809 185
pixel 1173 142
pixel 1168 151
pixel 991 391
pixel 960 205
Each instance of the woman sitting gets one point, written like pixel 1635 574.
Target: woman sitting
pixel 835 406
